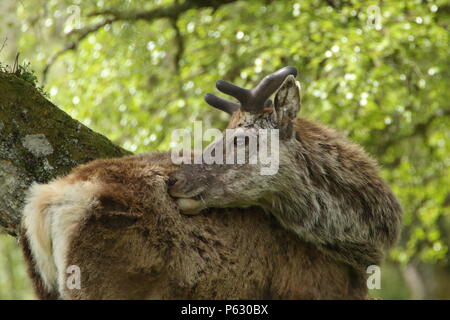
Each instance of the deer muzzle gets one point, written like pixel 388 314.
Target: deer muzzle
pixel 188 195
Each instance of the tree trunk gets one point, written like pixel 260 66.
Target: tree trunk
pixel 38 142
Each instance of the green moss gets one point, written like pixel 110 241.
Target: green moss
pixel 24 71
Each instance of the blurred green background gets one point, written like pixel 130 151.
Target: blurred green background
pixel 376 70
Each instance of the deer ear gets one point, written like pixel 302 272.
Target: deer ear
pixel 287 98
pixel 287 104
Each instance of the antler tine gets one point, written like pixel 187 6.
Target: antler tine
pixel 241 94
pixel 221 104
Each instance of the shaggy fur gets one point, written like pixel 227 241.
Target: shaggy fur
pixel 115 220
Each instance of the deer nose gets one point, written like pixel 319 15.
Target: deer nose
pixel 176 183
pixel 172 180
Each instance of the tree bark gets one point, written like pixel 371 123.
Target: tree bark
pixel 38 141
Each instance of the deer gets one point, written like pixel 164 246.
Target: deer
pixel 115 221
pixel 327 190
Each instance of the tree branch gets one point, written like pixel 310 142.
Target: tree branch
pixel 38 142
pixel 169 12
pixel 73 45
pixel 179 42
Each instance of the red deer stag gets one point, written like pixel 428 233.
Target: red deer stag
pixel 327 190
pixel 115 221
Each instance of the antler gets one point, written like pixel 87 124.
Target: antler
pixel 250 100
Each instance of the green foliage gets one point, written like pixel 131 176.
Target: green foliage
pixel 383 82
pixel 14 283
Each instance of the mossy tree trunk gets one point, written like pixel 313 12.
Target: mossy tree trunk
pixel 38 142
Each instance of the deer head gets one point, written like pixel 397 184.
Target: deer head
pixel 259 127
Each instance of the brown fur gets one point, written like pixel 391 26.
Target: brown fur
pixel 134 244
